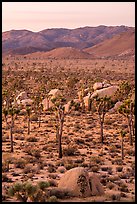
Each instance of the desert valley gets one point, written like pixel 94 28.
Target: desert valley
pixel 68 126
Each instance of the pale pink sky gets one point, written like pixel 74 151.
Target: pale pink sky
pixel 36 16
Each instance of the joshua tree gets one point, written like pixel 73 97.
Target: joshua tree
pixel 25 191
pixel 5 112
pixel 127 110
pixel 102 105
pixel 123 91
pixel 38 106
pixel 122 133
pixel 13 112
pixel 59 114
pixel 28 110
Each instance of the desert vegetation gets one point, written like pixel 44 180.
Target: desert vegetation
pixel 39 146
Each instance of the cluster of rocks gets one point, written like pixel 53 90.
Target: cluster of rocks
pixel 100 89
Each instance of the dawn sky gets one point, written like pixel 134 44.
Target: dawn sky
pixel 36 16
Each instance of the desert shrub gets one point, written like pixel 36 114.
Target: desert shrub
pixel 79 160
pixel 118 161
pixel 51 169
pixel 113 178
pixel 70 166
pixel 30 169
pixel 79 141
pixel 33 152
pixel 60 163
pixel 104 181
pixel 19 137
pixel 130 152
pixel 112 149
pixel 61 169
pixel 110 185
pixel 30 159
pixel 104 168
pixel 116 197
pixel 34 118
pixel 4 139
pixel 59 193
pixel 5 178
pixel 96 160
pixel 20 163
pixel 32 139
pixel 5 166
pixel 69 151
pixel 52 176
pixel 124 188
pixel 20 131
pixel 108 122
pixel 109 170
pixel 119 168
pixel 52 182
pixel 43 185
pixel 95 168
pixel 52 199
pixel 124 175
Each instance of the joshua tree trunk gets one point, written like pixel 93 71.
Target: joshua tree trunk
pixel 39 119
pixel 122 148
pixel 130 130
pixel 101 132
pixel 28 125
pixel 11 134
pixel 59 139
pixel 101 128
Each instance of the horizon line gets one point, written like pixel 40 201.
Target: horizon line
pixel 68 28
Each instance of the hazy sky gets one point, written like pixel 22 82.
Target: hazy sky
pixel 36 16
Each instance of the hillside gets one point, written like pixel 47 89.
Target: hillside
pixel 62 53
pixel 120 45
pixel 25 41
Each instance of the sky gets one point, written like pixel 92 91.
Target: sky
pixel 37 16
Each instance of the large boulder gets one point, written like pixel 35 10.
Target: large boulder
pixel 97 85
pixel 109 92
pixel 54 93
pixel 78 182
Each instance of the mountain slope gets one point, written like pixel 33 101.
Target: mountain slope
pixel 119 45
pixel 24 41
pixel 62 53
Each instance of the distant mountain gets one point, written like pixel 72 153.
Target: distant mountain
pixel 119 45
pixel 62 53
pixel 25 41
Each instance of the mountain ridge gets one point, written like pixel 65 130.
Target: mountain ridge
pixel 25 41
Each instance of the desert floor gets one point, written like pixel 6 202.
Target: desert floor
pixel 81 139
